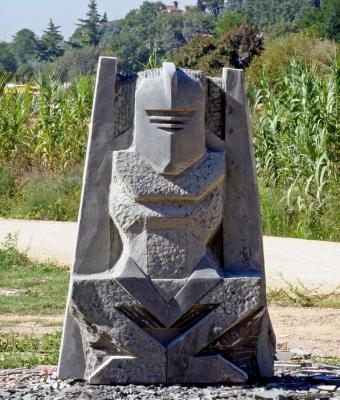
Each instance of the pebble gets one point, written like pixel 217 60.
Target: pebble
pixel 270 394
pixel 328 388
pixel 291 382
pixel 300 352
pixel 284 355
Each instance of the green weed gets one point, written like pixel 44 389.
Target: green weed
pixel 41 195
pixel 297 294
pixel 332 361
pixel 40 288
pixel 279 219
pixel 278 53
pixel 28 350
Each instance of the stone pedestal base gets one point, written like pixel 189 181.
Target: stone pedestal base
pixel 223 337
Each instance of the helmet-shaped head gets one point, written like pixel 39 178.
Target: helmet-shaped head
pixel 169 119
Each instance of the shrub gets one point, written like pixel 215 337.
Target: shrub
pixel 235 48
pixel 41 195
pixel 74 63
pixel 278 53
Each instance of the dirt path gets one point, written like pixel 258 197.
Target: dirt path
pixel 312 329
pixel 31 324
pixel 315 263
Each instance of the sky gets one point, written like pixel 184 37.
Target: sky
pixel 35 14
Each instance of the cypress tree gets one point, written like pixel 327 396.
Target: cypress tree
pixel 201 6
pixel 213 6
pixel 104 19
pixel 90 27
pixel 50 42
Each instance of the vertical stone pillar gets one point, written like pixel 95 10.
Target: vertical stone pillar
pixel 243 249
pixel 242 230
pixel 92 254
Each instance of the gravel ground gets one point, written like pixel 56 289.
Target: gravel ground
pixel 292 381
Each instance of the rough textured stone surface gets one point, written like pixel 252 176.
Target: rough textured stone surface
pixel 147 185
pixel 177 292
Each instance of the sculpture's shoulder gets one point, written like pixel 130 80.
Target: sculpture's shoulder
pixel 147 185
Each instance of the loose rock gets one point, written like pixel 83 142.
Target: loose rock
pixel 300 383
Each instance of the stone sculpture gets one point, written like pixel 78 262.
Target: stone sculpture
pixel 168 282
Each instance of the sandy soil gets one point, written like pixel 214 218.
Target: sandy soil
pixel 315 263
pixel 36 325
pixel 313 329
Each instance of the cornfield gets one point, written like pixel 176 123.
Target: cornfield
pixel 47 129
pixel 296 135
pixel 296 138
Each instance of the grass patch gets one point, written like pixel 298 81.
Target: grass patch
pixel 41 288
pixel 28 350
pixel 40 195
pixel 278 219
pixel 332 361
pixel 297 294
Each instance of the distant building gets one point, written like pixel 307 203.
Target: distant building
pixel 174 8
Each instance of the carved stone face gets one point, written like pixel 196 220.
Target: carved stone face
pixel 169 119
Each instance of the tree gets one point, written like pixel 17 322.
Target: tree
pixel 324 19
pixel 50 42
pixel 228 21
pixel 109 31
pixel 201 7
pixel 196 23
pixel 140 33
pixel 213 6
pixel 104 19
pixel 24 72
pixel 90 27
pixel 235 48
pixel 170 33
pixel 7 59
pixel 272 16
pixel 25 46
pixel 74 63
pixel 190 55
pixel 104 27
pixel 243 43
